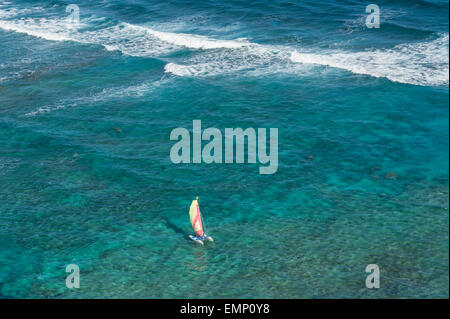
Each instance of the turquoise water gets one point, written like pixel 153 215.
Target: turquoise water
pixel 363 176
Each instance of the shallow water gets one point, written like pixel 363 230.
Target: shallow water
pixel 85 120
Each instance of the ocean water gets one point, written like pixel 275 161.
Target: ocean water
pixel 363 121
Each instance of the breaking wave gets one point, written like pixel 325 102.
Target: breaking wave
pixel 422 63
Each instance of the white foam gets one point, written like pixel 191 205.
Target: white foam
pixel 137 90
pixel 193 41
pixel 424 63
pixel 129 39
pixel 9 12
pixel 46 29
pixel 45 109
pixel 251 58
pixel 180 70
pixel 104 95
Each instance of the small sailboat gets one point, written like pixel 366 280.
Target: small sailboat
pixel 197 224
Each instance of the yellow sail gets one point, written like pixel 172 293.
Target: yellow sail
pixel 196 217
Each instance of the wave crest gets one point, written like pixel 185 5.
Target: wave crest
pixel 423 63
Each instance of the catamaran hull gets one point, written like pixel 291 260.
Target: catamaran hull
pixel 201 239
pixel 196 239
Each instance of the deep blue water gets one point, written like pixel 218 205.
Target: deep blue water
pixel 363 176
